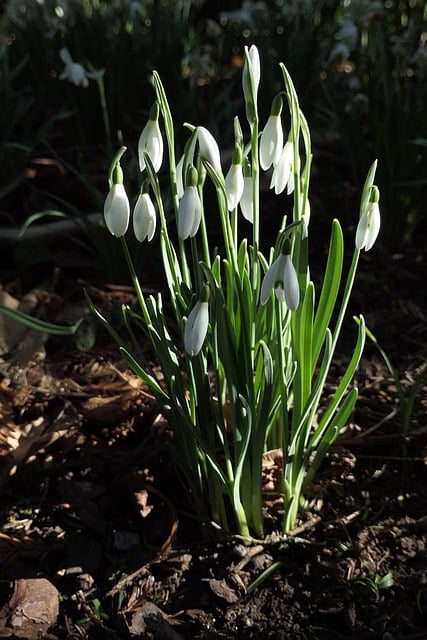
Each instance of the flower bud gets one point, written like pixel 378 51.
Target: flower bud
pixel 369 222
pixel 250 80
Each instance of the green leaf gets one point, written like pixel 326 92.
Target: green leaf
pixel 330 288
pixel 40 325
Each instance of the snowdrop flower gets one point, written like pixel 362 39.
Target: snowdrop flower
pixel 144 217
pixel 305 219
pixel 190 207
pixel 116 207
pixel 247 200
pixel 208 148
pixel 283 176
pixel 281 278
pixel 151 141
pixel 369 222
pixel 197 323
pixel 271 143
pixel 74 72
pixel 250 79
pixel 234 180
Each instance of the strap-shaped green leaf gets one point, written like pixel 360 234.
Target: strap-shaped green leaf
pixel 40 325
pixel 330 288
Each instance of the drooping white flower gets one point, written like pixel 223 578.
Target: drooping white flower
pixel 196 326
pixel 209 149
pixel 144 218
pixel 234 181
pixel 189 213
pixel 117 210
pixel 369 223
pixel 283 171
pixel 251 76
pixel 151 141
pixel 75 72
pixel 247 200
pixel 271 142
pixel 281 278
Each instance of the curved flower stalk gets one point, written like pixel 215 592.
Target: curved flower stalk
pixel 369 222
pixel 283 177
pixel 116 206
pixel 151 141
pixel 144 217
pixel 197 323
pixel 190 207
pixel 271 142
pixel 234 180
pixel 281 278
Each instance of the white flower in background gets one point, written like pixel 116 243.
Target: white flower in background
pixel 190 207
pixel 283 176
pixel 234 181
pixel 151 141
pixel 251 75
pixel 144 218
pixel 116 207
pixel 271 142
pixel 369 222
pixel 209 149
pixel 281 278
pixel 196 326
pixel 247 200
pixel 75 73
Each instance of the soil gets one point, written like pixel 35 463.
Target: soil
pixel 90 501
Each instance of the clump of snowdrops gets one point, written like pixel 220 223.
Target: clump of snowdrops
pixel 246 350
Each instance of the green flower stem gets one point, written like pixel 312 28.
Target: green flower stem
pixel 136 284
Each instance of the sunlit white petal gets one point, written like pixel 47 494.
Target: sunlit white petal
pixel 368 227
pixel 247 201
pixel 144 218
pixel 117 210
pixel 282 172
pixel 189 213
pixel 271 143
pixel 196 328
pixel 209 149
pixel 234 186
pixel 281 278
pixel 151 143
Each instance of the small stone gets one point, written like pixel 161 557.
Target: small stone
pixel 33 608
